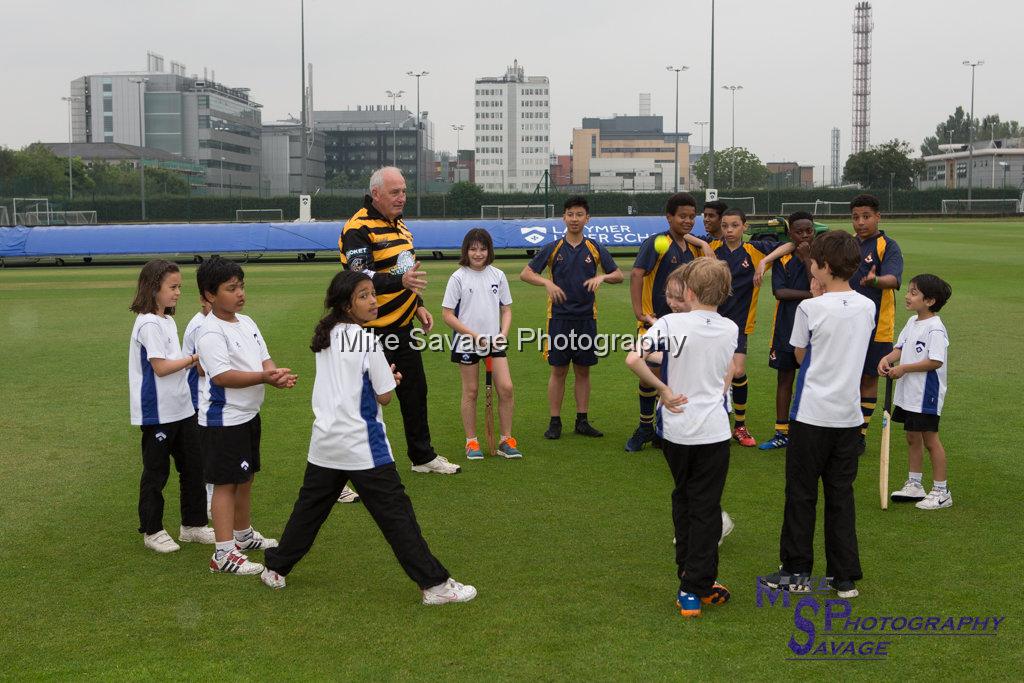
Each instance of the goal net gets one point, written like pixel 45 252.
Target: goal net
pixel 509 211
pixel 32 219
pixel 259 216
pixel 5 219
pixel 789 207
pixel 823 208
pixel 981 206
pixel 745 204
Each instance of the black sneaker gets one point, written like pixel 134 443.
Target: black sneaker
pixel 554 430
pixel 643 434
pixel 783 580
pixel 845 588
pixel 584 428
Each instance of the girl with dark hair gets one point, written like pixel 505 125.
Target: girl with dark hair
pixel 349 443
pixel 161 405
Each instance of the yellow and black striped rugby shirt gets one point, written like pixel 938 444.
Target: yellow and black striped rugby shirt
pixel 383 249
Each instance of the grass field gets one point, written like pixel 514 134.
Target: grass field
pixel 570 548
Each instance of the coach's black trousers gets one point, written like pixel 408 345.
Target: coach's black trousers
pixel 411 392
pixel 829 454
pixel 699 473
pixel 382 493
pixel 180 441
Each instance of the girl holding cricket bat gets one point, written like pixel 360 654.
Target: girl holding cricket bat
pixel 478 307
pixel 349 443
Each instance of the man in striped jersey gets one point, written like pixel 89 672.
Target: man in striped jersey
pixel 376 241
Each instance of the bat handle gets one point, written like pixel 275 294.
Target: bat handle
pixel 888 394
pixel 487 365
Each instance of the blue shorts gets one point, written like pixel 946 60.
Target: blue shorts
pixel 571 341
pixel 876 352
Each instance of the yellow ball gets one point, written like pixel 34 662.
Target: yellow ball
pixel 662 243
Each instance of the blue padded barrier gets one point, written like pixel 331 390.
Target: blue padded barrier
pixel 258 238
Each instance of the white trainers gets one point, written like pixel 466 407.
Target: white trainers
pixel 271 578
pixel 161 542
pixel 935 500
pixel 438 465
pixel 196 534
pixel 234 562
pixel 348 495
pixel 256 542
pixel 449 591
pixel 911 491
pixel 727 526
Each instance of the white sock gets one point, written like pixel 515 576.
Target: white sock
pixel 223 548
pixel 243 535
pixel 939 485
pixel 915 477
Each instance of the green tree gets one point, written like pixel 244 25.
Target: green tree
pixel 465 198
pixel 162 181
pixel 956 130
pixel 8 161
pixel 873 168
pixel 349 181
pixel 750 172
pixel 40 171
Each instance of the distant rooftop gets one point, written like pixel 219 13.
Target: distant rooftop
pixel 108 151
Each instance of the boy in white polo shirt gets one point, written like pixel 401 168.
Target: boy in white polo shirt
pixel 349 443
pixel 236 362
pixel 921 389
pixel 695 350
pixel 831 332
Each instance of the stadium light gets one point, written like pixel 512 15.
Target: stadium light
pixel 141 82
pixel 71 185
pixel 394 126
pixel 733 88
pixel 417 75
pixel 675 144
pixel 970 131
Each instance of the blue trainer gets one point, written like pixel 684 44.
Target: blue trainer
pixel 780 440
pixel 688 604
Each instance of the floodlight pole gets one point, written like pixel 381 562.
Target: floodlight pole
pixel 970 132
pixel 711 117
pixel 71 185
pixel 302 68
pixel 394 125
pixel 141 82
pixel 675 141
pixel 733 88
pixel 417 75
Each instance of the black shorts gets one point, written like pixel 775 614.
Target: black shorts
pixel 915 422
pixel 782 360
pixel 231 455
pixel 571 341
pixel 741 343
pixel 876 351
pixel 473 357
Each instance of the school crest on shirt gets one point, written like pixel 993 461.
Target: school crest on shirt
pixel 869 259
pixel 588 260
pixel 919 346
pixel 494 288
pixel 746 263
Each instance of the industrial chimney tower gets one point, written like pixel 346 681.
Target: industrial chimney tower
pixel 862 26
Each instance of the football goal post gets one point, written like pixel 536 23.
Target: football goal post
pixel 259 216
pixel 745 204
pixel 981 206
pixel 823 208
pixel 789 207
pixel 510 211
pixel 5 219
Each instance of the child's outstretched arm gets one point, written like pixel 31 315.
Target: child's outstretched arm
pixel 766 263
pixel 385 398
pixel 705 247
pixel 555 293
pixel 672 402
pixel 897 371
pixel 163 367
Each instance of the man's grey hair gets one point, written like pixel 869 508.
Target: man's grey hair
pixel 377 179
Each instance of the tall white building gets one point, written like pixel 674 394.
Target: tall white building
pixel 513 128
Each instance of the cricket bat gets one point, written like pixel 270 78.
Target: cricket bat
pixel 883 459
pixel 489 406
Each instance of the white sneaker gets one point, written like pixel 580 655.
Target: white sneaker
pixel 196 534
pixel 348 495
pixel 234 562
pixel 161 542
pixel 449 591
pixel 271 578
pixel 438 465
pixel 910 492
pixel 727 526
pixel 936 499
pixel 256 542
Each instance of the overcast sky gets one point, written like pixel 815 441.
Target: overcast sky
pixel 792 57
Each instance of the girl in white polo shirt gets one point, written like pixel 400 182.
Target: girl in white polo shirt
pixel 161 406
pixel 349 443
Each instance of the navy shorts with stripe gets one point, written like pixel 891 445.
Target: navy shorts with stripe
pixel 231 455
